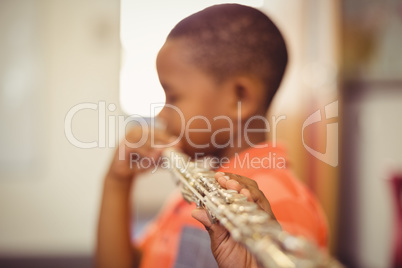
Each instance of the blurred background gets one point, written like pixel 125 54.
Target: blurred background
pixel 345 63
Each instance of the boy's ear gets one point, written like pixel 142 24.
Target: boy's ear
pixel 246 98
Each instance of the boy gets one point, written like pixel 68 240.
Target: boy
pixel 220 69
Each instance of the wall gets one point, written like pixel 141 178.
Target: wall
pixel 49 202
pixel 372 131
pixel 372 156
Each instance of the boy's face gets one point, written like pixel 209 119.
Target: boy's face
pixel 193 101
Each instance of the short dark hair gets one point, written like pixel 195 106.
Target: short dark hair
pixel 232 39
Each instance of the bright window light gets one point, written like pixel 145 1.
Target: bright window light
pixel 144 27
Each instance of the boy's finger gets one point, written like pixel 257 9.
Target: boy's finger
pixel 247 193
pixel 234 185
pixel 241 179
pixel 259 198
pixel 216 231
pixel 201 215
pixel 245 186
pixel 229 184
pixel 222 180
pixel 232 182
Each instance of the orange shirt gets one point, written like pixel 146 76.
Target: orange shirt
pixel 296 209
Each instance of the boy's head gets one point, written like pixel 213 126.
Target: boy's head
pixel 211 61
pixel 230 39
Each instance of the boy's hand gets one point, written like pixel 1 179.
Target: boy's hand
pixel 137 145
pixel 114 245
pixel 228 252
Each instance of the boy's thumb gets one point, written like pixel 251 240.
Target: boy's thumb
pixel 201 215
pixel 217 232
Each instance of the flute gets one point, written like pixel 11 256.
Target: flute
pixel 246 223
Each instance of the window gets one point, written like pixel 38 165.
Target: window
pixel 144 27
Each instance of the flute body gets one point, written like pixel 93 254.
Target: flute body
pixel 246 223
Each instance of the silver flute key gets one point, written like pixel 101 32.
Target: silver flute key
pixel 244 220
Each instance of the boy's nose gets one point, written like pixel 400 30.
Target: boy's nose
pixel 162 114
